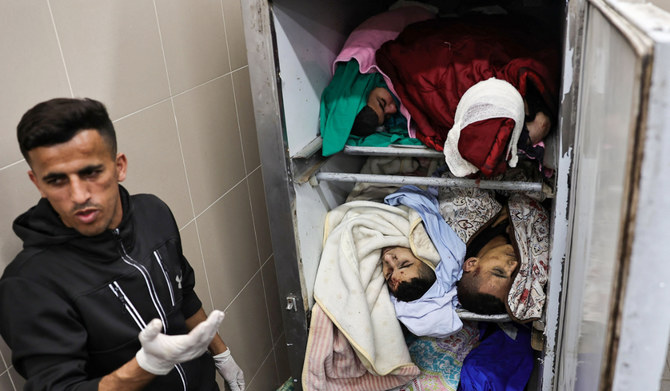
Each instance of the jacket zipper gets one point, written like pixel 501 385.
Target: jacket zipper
pixel 141 324
pixel 182 375
pixel 147 279
pixel 121 295
pixel 165 274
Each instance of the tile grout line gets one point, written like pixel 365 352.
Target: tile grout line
pixel 225 33
pixel 246 177
pixel 241 290
pixel 60 49
pixel 183 159
pixel 160 101
pixel 261 266
pixel 12 164
pixel 261 366
pixel 232 80
pixel 9 376
pixel 171 97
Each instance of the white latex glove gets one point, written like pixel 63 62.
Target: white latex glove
pixel 229 370
pixel 160 352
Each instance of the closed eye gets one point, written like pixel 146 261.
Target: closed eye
pixel 382 103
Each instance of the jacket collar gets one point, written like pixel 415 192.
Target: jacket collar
pixel 41 227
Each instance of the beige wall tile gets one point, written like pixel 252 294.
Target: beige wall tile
pixel 281 356
pixel 245 112
pixel 193 34
pixel 113 52
pixel 228 245
pixel 235 33
pixel 259 209
pixel 266 377
pixel 210 139
pixel 150 140
pixel 191 247
pixel 272 298
pixel 19 194
pixel 17 379
pixel 5 382
pixel 5 355
pixel 31 69
pixel 245 328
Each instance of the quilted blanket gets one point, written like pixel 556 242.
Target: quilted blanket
pixel 441 360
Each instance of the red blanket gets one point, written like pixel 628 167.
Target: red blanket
pixel 433 63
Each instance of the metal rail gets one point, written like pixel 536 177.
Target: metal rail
pixel 424 181
pixel 413 151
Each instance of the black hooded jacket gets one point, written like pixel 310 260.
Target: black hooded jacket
pixel 71 306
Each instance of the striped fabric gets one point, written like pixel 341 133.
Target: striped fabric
pixel 331 364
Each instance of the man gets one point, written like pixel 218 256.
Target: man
pixel 96 267
pixel 488 271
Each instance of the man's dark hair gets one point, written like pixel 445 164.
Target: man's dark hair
pixel 58 120
pixel 417 286
pixel 474 301
pixel 365 123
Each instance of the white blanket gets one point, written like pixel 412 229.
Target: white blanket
pixel 350 287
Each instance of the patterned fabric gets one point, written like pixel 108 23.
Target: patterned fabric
pixel 531 230
pixel 468 211
pixel 440 361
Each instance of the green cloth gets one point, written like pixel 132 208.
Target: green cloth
pixel 343 99
pixel 383 139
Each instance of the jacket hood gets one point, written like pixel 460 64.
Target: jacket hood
pixel 41 226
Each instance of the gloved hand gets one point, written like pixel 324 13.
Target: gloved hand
pixel 229 370
pixel 160 352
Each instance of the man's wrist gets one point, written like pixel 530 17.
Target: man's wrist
pixel 130 376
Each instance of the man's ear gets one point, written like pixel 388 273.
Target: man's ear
pixel 121 166
pixel 33 179
pixel 470 264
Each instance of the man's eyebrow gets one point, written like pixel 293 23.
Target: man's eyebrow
pixel 90 168
pixel 83 171
pixel 52 176
pixel 499 274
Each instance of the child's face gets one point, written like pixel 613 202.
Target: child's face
pixel 399 265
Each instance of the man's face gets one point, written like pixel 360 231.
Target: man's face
pixel 381 101
pixel 80 179
pixel 493 270
pixel 399 265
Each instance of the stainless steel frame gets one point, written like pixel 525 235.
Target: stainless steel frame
pixel 277 177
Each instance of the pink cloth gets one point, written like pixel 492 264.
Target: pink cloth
pixel 364 41
pixel 331 363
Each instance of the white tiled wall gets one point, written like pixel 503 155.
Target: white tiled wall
pixel 175 79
